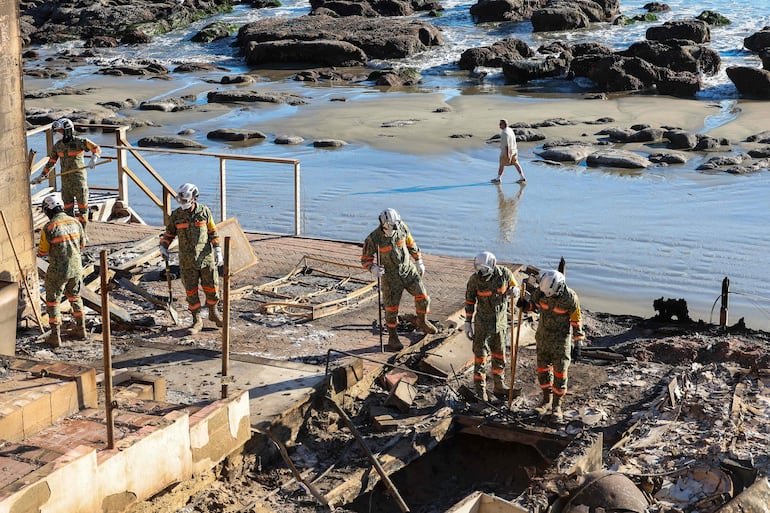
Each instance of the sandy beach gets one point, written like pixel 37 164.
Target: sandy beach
pixel 419 123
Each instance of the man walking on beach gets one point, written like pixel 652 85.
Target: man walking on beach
pixel 560 326
pixel 74 183
pixel 199 253
pixel 509 153
pixel 400 265
pixel 487 295
pixel 61 240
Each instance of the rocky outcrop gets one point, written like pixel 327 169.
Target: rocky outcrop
pixel 213 32
pixel 248 96
pixel 58 21
pixel 160 141
pixel 758 41
pixel 234 134
pixel 694 30
pixel 319 52
pixel 617 158
pixel 749 81
pixel 358 38
pixel 566 151
pixel 372 9
pixel 504 10
pixel 494 55
pixel 573 14
pixel 677 55
pixel 520 72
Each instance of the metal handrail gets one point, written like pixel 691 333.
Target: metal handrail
pixel 124 148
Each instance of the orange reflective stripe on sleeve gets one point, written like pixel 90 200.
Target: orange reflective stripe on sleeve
pixel 385 249
pixel 485 293
pixel 182 226
pixel 560 311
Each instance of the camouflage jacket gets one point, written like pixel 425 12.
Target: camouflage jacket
pixel 394 251
pixel 488 298
pixel 61 240
pixel 197 235
pixel 558 315
pixel 71 154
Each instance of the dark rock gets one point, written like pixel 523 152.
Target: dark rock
pixel 446 108
pixel 758 41
pixel 753 82
pixel 234 134
pixel 617 158
pixel 713 18
pixel 615 72
pixel 329 143
pixel 170 142
pixel 574 152
pixel 493 55
pixel 681 85
pixel 289 139
pixel 646 135
pixel 504 10
pixel 213 32
pixel 164 105
pixel 668 158
pixel 238 80
pixel 136 37
pixel 378 38
pixel 677 55
pixel 617 134
pixel 722 160
pixel 323 52
pixel 192 67
pixel 396 78
pixel 519 72
pixel 762 137
pixel 680 139
pixel 693 30
pixel 656 7
pixel 760 153
pixel 706 143
pixel 558 18
pixel 101 42
pixel 254 96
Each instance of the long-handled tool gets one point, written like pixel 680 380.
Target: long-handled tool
pixel 156 300
pixel 23 276
pixel 379 305
pixel 41 178
pixel 515 345
pixel 171 311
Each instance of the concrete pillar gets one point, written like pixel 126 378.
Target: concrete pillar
pixel 15 199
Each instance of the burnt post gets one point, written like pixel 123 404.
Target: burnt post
pixel 723 308
pixel 563 266
pixel 109 404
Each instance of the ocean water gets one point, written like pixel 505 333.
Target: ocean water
pixel 627 237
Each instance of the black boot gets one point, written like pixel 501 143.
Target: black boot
pixel 545 404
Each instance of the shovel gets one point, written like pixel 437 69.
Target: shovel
pixel 171 311
pixel 42 178
pixel 157 300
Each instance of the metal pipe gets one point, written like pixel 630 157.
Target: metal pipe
pixel 226 319
pixel 297 227
pixel 107 353
pixel 723 308
pixel 222 190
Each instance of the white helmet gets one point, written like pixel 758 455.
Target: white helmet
pixel 484 263
pixel 389 220
pixel 66 126
pixel 552 283
pixel 186 195
pixel 51 203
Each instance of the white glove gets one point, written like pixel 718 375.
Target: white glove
pixel 421 267
pixel 469 330
pixel 93 161
pixel 218 258
pixel 38 180
pixel 376 270
pixel 164 251
pixel 514 292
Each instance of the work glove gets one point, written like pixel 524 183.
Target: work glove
pixel 468 330
pixel 93 161
pixel 420 267
pixel 376 270
pixel 522 303
pixel 514 292
pixel 164 251
pixel 218 258
pixel 39 179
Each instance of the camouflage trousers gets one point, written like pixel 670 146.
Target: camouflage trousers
pixel 55 287
pixel 488 339
pixel 553 361
pixel 208 278
pixel 75 190
pixel 393 288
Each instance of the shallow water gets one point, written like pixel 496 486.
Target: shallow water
pixel 627 237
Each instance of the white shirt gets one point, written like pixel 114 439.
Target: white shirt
pixel 508 140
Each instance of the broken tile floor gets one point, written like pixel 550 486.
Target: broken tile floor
pixel 679 410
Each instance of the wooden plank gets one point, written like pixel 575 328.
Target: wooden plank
pixel 90 298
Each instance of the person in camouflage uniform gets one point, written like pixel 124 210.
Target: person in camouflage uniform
pixel 71 150
pixel 560 326
pixel 487 295
pixel 400 265
pixel 61 240
pixel 199 253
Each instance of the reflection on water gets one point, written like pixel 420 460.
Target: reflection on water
pixel 507 206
